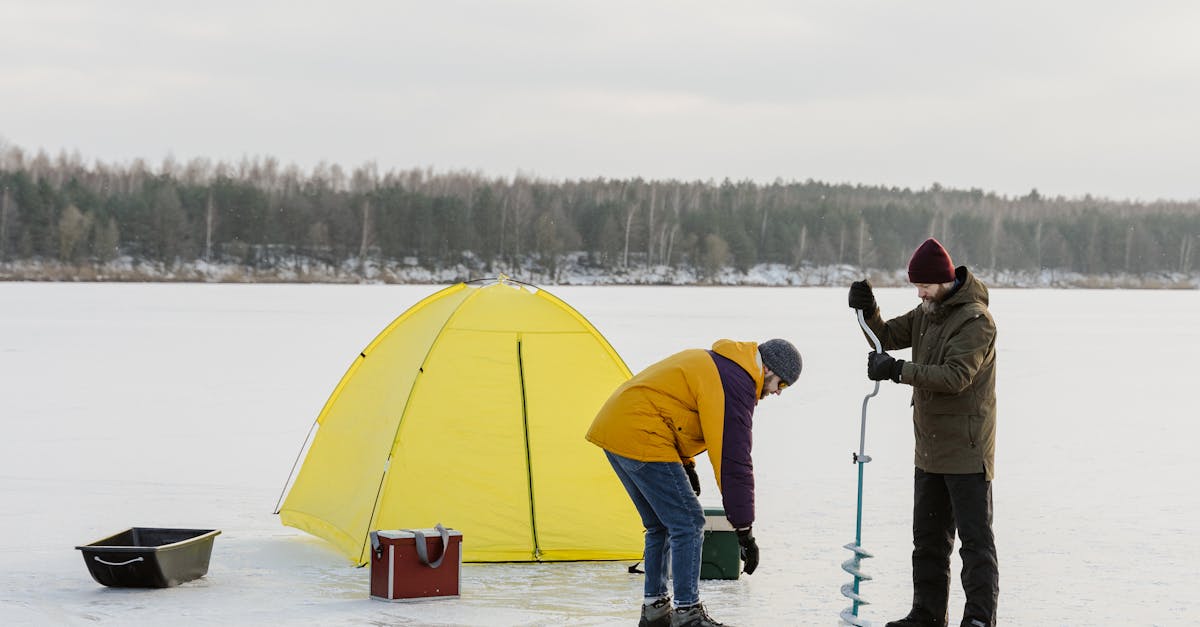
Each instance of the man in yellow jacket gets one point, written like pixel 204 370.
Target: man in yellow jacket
pixel 651 428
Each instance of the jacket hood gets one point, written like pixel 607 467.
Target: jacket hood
pixel 744 354
pixel 970 290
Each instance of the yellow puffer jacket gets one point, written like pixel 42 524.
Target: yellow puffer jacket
pixel 674 409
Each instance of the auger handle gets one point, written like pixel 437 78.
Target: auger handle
pixel 862 322
pixel 861 457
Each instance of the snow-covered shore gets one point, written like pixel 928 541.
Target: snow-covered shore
pixel 573 270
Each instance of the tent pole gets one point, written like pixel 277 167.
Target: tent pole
pixel 537 551
pixel 279 503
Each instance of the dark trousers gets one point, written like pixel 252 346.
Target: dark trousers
pixel 941 505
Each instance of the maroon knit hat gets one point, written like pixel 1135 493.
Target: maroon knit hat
pixel 930 264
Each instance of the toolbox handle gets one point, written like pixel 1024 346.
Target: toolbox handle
pixel 97 558
pixel 422 553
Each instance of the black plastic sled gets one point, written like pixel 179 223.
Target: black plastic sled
pixel 150 557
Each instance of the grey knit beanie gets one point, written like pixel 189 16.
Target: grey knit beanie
pixel 782 358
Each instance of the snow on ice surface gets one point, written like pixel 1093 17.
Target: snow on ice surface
pixel 184 405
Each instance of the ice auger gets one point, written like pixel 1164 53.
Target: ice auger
pixel 849 615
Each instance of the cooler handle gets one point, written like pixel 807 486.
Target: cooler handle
pixel 375 546
pixel 422 552
pixel 97 558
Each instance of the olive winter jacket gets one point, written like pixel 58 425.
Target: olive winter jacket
pixel 953 375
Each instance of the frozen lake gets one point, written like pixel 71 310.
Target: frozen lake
pixel 185 405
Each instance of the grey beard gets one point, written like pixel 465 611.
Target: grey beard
pixel 930 306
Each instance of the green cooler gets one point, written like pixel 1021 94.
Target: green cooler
pixel 720 557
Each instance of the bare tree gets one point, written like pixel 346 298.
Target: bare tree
pixel 210 211
pixel 762 229
pixel 841 254
pixel 522 205
pixel 801 248
pixel 106 241
pixel 1129 240
pixel 630 210
pixel 866 252
pixel 4 204
pixel 650 225
pixel 364 181
pixel 994 239
pixel 667 237
pixel 197 172
pixel 1037 245
pixel 73 227
pixel 716 254
pixel 365 241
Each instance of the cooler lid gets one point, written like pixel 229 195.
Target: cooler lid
pixel 715 520
pixel 393 534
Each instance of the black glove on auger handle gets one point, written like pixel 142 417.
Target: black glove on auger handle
pixel 882 366
pixel 862 297
pixel 748 549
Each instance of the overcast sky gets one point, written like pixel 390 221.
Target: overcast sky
pixel 1069 97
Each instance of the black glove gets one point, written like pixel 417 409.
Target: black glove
pixel 693 478
pixel 748 549
pixel 882 366
pixel 861 297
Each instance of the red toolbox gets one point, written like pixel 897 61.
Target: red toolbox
pixel 411 564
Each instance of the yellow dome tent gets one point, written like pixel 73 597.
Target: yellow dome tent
pixel 470 410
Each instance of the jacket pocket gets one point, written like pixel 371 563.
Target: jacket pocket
pixel 959 404
pixel 689 439
pixel 949 443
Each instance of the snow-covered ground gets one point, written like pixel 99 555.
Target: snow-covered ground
pixel 184 405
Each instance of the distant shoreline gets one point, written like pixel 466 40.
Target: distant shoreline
pixel 126 270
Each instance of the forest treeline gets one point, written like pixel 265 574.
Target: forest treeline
pixel 261 214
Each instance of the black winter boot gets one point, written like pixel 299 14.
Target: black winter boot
pixel 917 618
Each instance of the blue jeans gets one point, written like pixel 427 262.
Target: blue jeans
pixel 672 515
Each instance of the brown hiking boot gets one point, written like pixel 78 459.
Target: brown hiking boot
pixel 657 614
pixel 693 616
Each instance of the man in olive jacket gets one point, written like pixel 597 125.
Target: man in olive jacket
pixel 953 375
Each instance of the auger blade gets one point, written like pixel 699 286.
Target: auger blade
pixel 849 593
pixel 849 618
pixel 851 566
pixel 858 550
